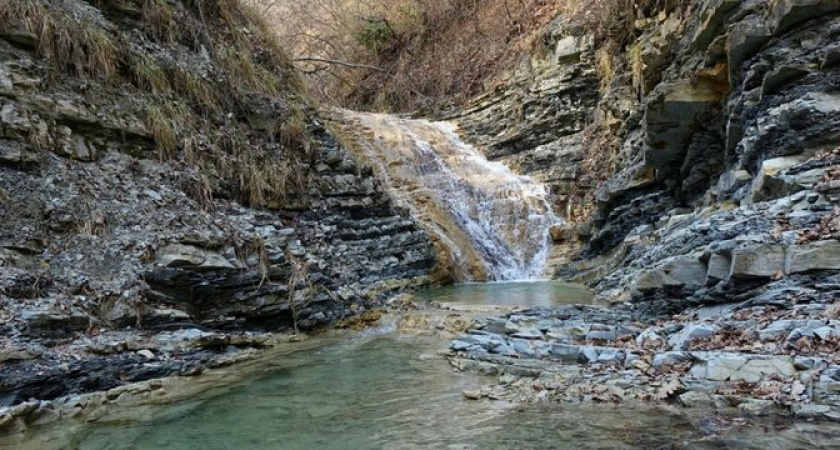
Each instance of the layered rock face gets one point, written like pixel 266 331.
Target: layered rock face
pixel 721 222
pixel 729 159
pixel 141 192
pixel 534 123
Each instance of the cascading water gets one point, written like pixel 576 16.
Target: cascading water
pixel 487 222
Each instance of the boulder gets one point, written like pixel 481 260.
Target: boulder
pixel 781 328
pixel 758 262
pixel 741 368
pixel 832 58
pixel 719 267
pixel 768 184
pixel 781 76
pixel 761 408
pixel 712 16
pixel 670 359
pixel 693 399
pixel 691 332
pixel 189 256
pixel 745 38
pixel 566 353
pixel 676 272
pixel 16 155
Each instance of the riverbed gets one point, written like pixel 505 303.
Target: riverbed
pixel 390 388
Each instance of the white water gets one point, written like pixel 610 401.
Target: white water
pixel 493 222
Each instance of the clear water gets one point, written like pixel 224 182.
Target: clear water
pixel 373 390
pixel 513 293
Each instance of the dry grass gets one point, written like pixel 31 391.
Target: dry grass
pixel 167 121
pixel 200 91
pixel 197 111
pixel 71 42
pixel 159 20
pixel 148 75
pixel 406 53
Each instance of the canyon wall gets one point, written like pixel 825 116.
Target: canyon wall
pixel 716 128
pixel 164 186
pixel 714 233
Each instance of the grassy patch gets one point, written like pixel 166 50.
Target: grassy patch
pixel 70 42
pixel 166 122
pixel 159 20
pixel 186 100
pixel 200 91
pixel 148 75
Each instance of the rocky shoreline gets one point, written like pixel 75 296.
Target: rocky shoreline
pixel 762 360
pixel 713 229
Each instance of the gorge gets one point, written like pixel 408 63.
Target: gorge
pixel 196 253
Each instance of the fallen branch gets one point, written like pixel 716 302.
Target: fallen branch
pixel 338 62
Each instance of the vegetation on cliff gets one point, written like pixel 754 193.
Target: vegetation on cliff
pixel 209 69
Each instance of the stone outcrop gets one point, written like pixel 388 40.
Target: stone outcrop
pixel 101 228
pixel 733 130
pixel 715 239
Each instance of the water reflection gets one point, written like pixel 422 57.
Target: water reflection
pixel 521 294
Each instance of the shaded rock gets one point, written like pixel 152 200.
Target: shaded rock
pixel 789 13
pixel 671 119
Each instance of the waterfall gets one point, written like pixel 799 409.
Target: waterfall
pixel 487 222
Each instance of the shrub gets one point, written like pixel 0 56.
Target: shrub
pixel 375 34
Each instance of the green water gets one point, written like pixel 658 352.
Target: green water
pixel 374 390
pixel 514 293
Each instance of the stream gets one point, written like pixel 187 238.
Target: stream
pixel 386 389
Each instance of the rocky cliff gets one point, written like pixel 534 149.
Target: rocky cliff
pixel 714 130
pixel 165 185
